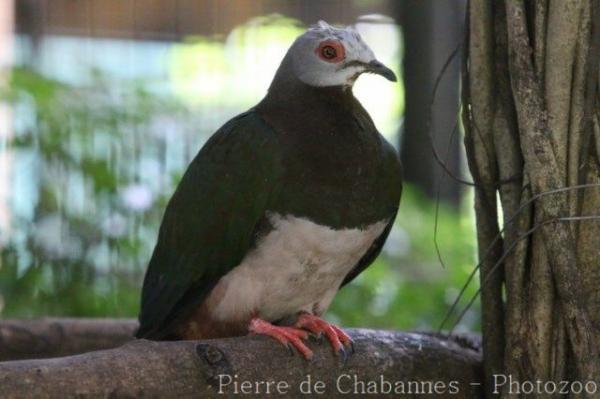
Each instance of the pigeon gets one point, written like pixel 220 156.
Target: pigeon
pixel 284 205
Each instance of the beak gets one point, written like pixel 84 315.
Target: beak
pixel 380 69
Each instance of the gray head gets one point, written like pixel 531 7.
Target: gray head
pixel 329 56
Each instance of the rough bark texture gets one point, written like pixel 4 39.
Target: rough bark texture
pixel 530 110
pixel 43 338
pixel 143 368
pixel 482 160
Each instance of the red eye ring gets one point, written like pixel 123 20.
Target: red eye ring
pixel 331 51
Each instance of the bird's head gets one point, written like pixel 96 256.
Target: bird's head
pixel 329 56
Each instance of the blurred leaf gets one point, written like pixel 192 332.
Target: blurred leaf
pixel 101 174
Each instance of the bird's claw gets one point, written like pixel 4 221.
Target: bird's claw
pixel 351 346
pixel 307 326
pixel 343 354
pixel 339 339
pixel 290 349
pixel 289 337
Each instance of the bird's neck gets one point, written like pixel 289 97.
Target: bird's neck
pixel 289 91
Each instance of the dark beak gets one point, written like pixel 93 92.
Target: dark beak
pixel 380 69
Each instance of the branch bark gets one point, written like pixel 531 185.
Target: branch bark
pixel 43 338
pixel 416 363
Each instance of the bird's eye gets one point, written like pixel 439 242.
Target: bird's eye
pixel 331 51
pixel 328 52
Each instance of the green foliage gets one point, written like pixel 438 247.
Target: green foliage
pixel 410 288
pixel 76 247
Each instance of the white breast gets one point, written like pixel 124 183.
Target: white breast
pixel 298 266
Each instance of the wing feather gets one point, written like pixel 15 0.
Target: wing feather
pixel 209 223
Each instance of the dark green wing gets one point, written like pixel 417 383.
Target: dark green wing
pixel 209 224
pixel 390 179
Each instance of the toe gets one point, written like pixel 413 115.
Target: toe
pixel 343 337
pixel 296 332
pixel 301 347
pixel 289 337
pixel 333 338
pixel 340 341
pixel 311 326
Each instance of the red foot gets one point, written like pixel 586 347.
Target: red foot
pixel 338 338
pixel 286 335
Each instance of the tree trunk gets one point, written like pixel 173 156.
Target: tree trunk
pixel 531 116
pixel 432 30
pixel 421 364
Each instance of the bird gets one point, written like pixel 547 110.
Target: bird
pixel 284 205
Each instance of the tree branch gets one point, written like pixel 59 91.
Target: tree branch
pixel 412 362
pixel 43 338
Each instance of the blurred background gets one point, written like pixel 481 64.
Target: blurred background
pixel 104 103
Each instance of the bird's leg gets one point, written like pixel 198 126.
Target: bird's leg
pixel 338 338
pixel 285 335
